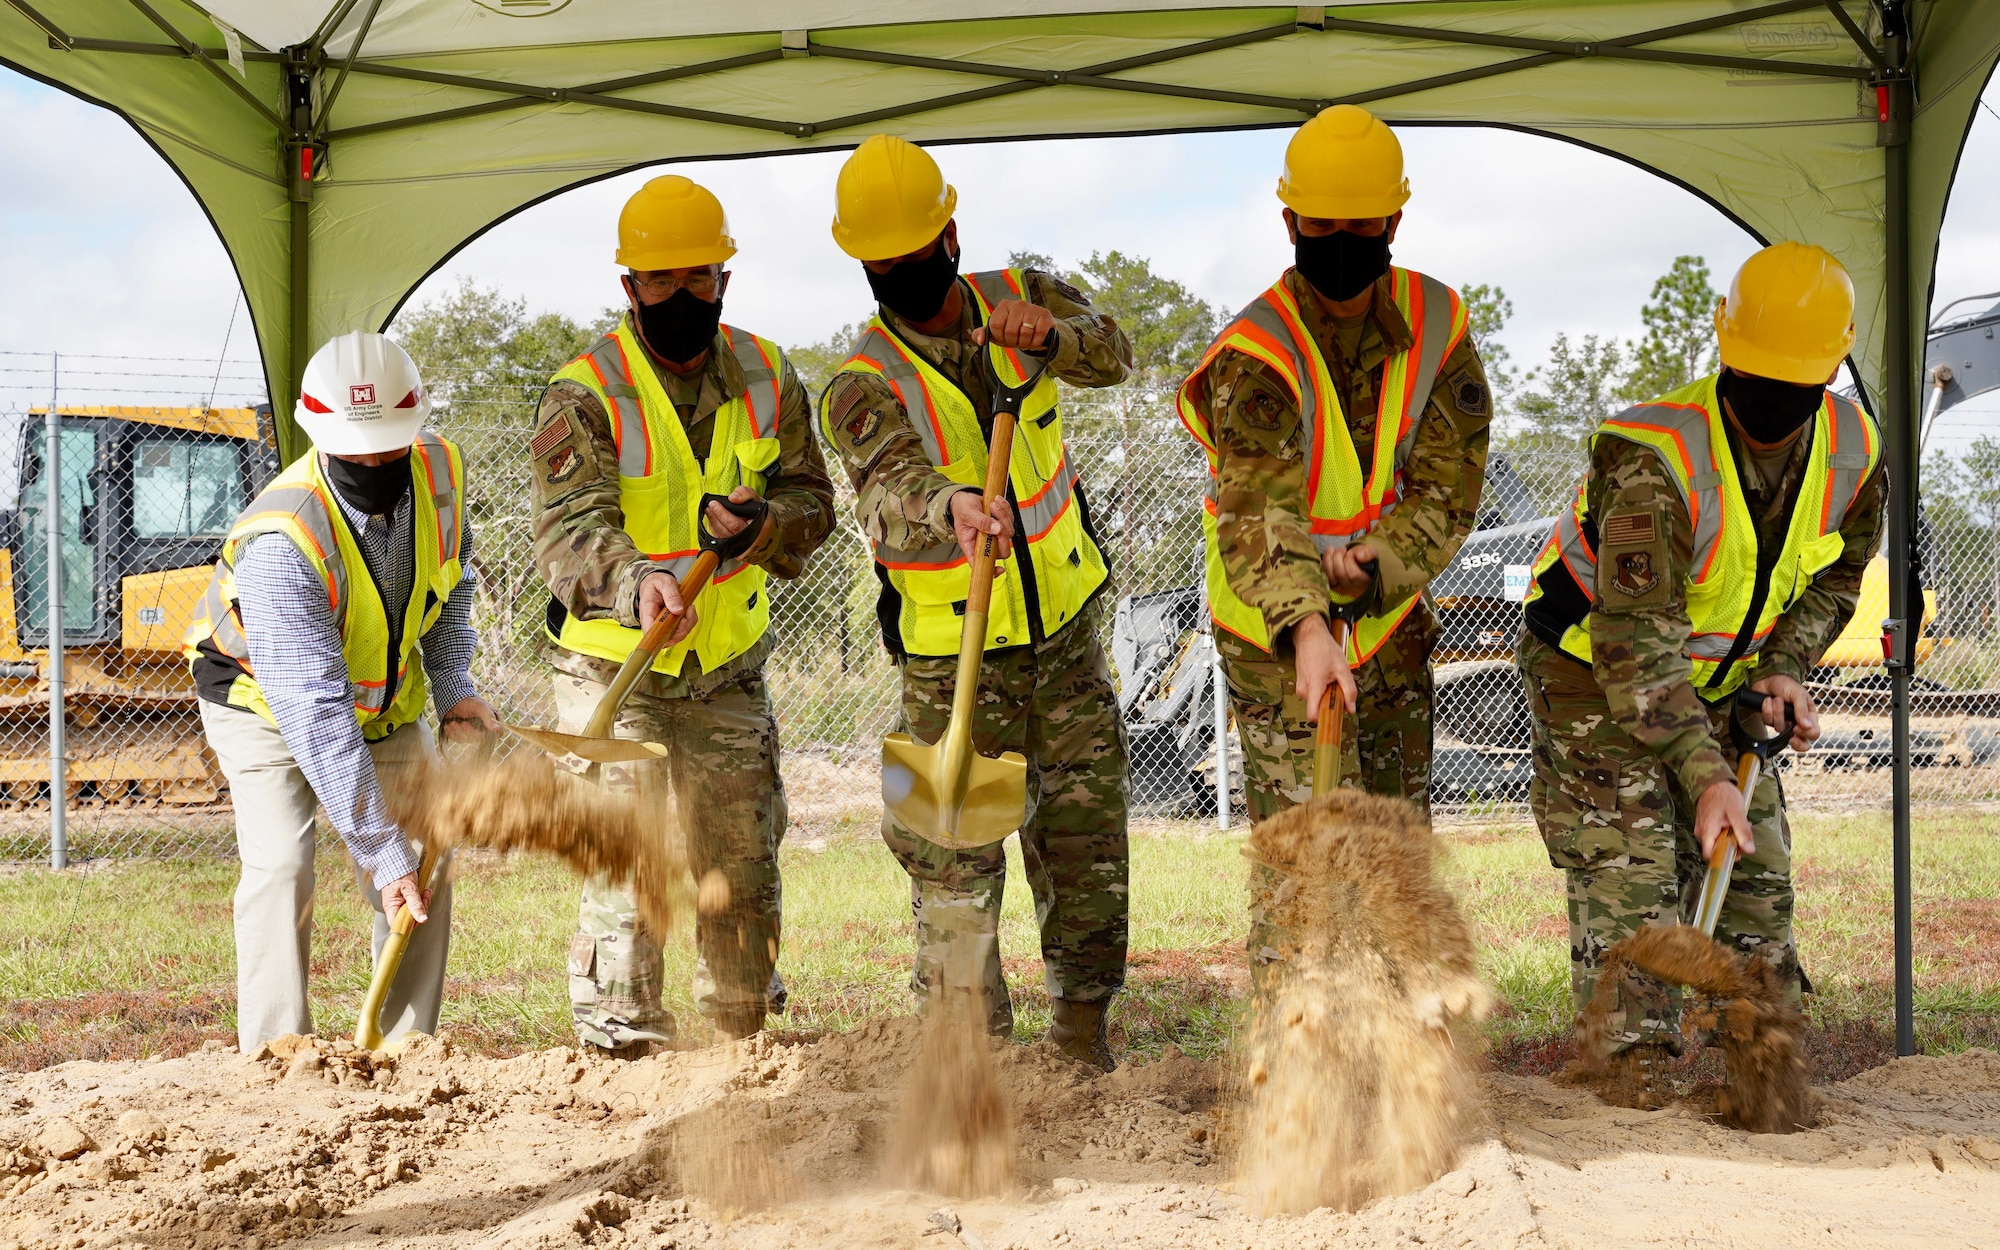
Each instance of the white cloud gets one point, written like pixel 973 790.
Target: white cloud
pixel 106 252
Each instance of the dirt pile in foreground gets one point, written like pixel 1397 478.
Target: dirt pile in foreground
pixel 1357 1086
pixel 784 1142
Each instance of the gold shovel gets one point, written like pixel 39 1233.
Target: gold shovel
pixel 595 743
pixel 946 793
pixel 368 1028
pixel 1750 763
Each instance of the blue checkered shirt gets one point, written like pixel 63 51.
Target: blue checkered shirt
pixel 295 650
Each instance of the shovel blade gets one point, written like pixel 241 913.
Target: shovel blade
pixel 596 750
pixel 919 791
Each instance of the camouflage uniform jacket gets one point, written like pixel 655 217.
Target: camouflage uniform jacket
pixel 588 560
pixel 1263 522
pixel 902 498
pixel 1638 652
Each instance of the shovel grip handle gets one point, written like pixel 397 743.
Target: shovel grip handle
pixel 979 597
pixel 650 642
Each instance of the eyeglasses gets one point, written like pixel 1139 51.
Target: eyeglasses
pixel 701 284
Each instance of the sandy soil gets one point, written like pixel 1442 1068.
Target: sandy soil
pixel 779 1143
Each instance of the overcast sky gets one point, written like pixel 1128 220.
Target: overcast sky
pixel 107 253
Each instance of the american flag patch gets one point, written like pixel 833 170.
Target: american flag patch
pixel 1627 529
pixel 551 437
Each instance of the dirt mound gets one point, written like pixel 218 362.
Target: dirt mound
pixel 1358 1087
pixel 782 1142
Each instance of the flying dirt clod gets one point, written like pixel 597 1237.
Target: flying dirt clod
pixel 1357 1085
pixel 955 1132
pixel 1768 1090
pixel 525 803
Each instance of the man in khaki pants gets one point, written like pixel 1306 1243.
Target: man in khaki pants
pixel 355 554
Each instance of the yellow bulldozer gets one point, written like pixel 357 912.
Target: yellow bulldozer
pixel 147 495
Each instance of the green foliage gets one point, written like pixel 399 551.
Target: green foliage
pixel 1563 401
pixel 1487 312
pixel 1680 332
pixel 1168 324
pixel 816 362
pixel 486 360
pixel 1961 514
pixel 1577 388
pixel 477 346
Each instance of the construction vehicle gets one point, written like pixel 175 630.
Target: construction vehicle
pixel 147 496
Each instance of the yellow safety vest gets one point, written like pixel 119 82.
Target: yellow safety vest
pixel 1345 506
pixel 1730 621
pixel 299 504
pixel 660 485
pixel 925 590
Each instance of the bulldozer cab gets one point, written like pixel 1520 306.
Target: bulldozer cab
pixel 147 495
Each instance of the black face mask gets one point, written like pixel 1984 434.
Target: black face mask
pixel 681 326
pixel 376 489
pixel 1340 265
pixel 1768 410
pixel 915 290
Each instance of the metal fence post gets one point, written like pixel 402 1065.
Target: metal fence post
pixel 1221 695
pixel 58 764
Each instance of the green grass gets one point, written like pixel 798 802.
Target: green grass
pixel 123 959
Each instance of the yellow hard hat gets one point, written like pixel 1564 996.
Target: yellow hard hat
pixel 891 199
pixel 673 223
pixel 1789 315
pixel 1345 162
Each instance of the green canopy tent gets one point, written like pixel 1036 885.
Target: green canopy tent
pixel 345 148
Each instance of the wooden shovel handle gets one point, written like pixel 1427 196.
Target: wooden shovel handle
pixel 979 597
pixel 1748 766
pixel 1326 743
pixel 650 642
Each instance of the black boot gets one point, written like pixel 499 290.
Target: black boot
pixel 1079 1032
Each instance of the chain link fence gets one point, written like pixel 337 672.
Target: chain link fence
pixel 157 456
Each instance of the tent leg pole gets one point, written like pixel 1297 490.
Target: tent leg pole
pixel 301 166
pixel 58 749
pixel 1905 596
pixel 290 441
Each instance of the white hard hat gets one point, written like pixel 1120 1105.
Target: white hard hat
pixel 361 394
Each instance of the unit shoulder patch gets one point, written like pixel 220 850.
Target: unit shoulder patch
pixel 1067 291
pixel 1632 565
pixel 1634 573
pixel 1469 394
pixel 852 421
pixel 561 466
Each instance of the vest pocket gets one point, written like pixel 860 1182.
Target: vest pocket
pixel 656 508
pixel 1815 557
pixel 754 457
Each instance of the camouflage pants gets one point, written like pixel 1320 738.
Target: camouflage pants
pixel 722 760
pixel 1056 705
pixel 1618 823
pixel 1385 745
pixel 1385 748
